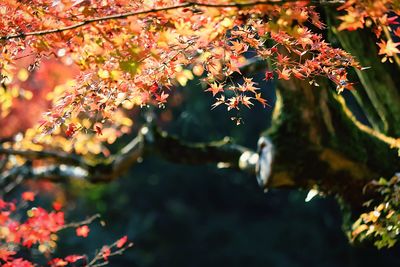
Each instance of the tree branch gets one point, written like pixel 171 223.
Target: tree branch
pixel 77 224
pixel 59 156
pixel 149 141
pixel 153 10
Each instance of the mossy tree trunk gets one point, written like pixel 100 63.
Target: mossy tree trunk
pixel 378 91
pixel 319 144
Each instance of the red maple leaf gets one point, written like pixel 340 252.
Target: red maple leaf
pixel 6 255
pixel 269 75
pixel 106 252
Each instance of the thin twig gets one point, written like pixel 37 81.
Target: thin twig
pixel 77 224
pixel 99 255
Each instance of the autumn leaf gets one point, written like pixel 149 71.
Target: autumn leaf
pixel 122 241
pixel 6 255
pixel 298 74
pixel 74 258
pixel 28 196
pixel 215 88
pixel 249 85
pixel 71 129
pixel 220 100
pixel 106 252
pixel 57 206
pixel 359 229
pixel 397 32
pixel 260 99
pixel 233 102
pixel 239 47
pixel 82 231
pixel 352 21
pixel 269 75
pixel 388 48
pixel 98 129
pixel 18 263
pixel 246 101
pixel 57 262
pixel 282 59
pixel 283 74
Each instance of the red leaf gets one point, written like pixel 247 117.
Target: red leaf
pixel 269 75
pixel 122 241
pixel 28 196
pixel 74 258
pixel 162 98
pixel 98 130
pixel 58 262
pixel 18 263
pixel 106 251
pixel 57 206
pixel 153 88
pixel 6 255
pixel 70 130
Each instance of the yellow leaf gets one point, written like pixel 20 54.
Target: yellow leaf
pixel 359 229
pixel 104 74
pixel 23 75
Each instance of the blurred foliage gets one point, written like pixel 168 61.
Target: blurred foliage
pixel 382 224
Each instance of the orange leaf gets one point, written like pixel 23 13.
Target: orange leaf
pixel 28 196
pixel 82 231
pixel 57 205
pixel 215 88
pixel 388 48
pixel 284 74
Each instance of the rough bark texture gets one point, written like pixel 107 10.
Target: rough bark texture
pixel 379 94
pixel 318 145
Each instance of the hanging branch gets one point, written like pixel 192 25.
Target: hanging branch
pixel 153 10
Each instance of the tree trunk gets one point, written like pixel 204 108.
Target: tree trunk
pixel 320 145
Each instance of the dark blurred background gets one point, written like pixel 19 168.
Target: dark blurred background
pixel 203 216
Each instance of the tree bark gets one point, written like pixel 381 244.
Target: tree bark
pixel 319 145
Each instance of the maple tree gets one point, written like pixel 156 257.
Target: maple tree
pixel 83 68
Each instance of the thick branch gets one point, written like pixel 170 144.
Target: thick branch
pixel 174 149
pixel 152 141
pixel 149 141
